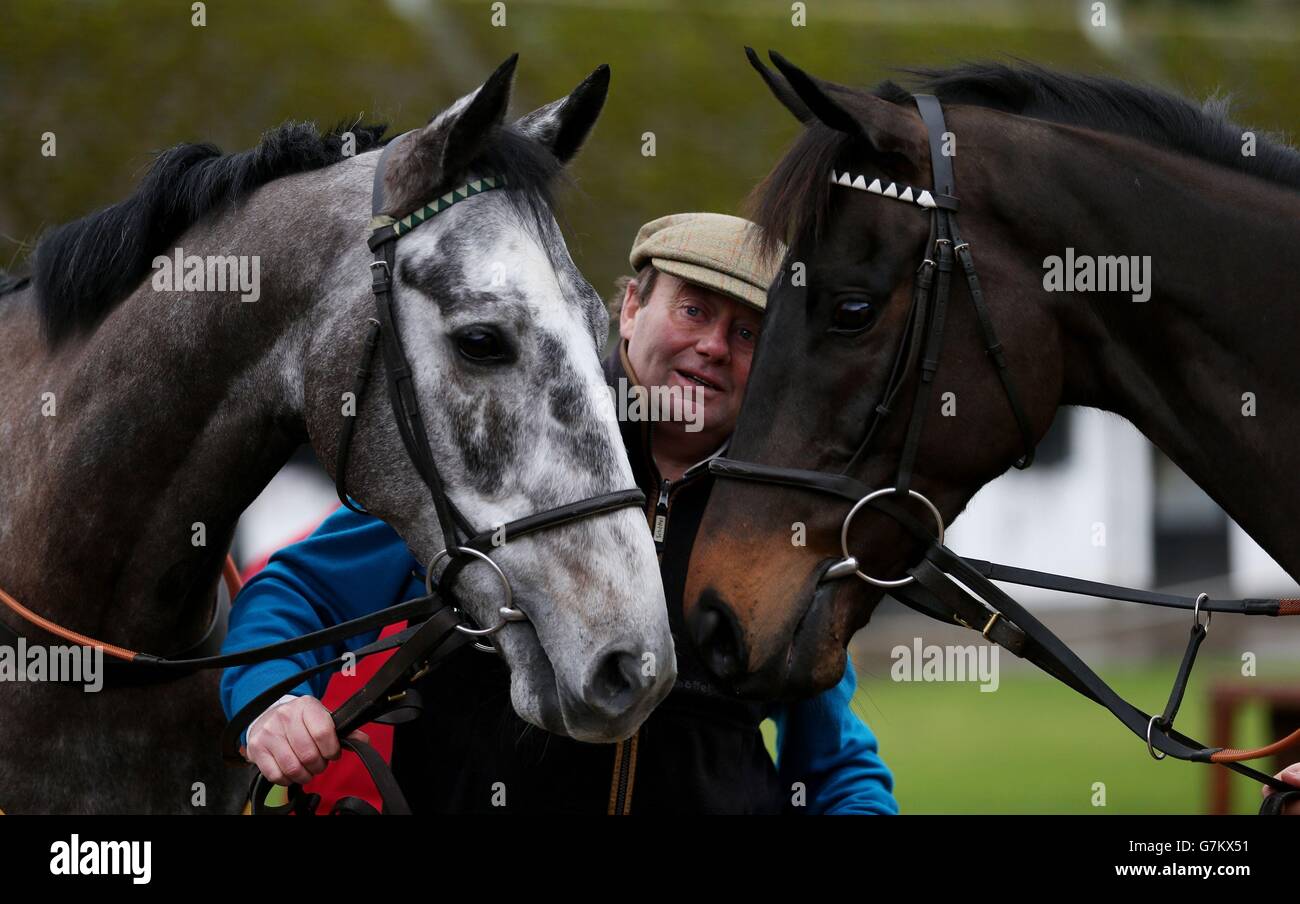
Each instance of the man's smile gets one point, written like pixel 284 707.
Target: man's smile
pixel 694 378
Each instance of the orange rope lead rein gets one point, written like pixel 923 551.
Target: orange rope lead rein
pixel 228 572
pixel 1231 755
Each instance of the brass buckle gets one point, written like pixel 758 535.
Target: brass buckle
pixel 992 620
pixel 424 670
pixel 988 626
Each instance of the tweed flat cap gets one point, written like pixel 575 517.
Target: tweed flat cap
pixel 712 250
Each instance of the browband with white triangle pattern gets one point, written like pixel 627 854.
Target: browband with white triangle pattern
pixel 920 197
pixel 386 229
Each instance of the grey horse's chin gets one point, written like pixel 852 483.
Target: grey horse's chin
pixel 536 696
pixel 533 689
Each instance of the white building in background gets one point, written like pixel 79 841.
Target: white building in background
pixel 1103 504
pixel 297 499
pixel 1085 508
pixel 1253 571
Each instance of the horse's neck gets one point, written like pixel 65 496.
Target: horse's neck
pixel 1215 341
pixel 171 416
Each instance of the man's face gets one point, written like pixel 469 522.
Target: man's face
pixel 687 336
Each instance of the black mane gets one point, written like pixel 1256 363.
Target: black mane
pixel 82 269
pixel 792 201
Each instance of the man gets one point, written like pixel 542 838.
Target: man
pixel 689 322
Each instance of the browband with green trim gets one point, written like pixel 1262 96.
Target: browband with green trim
pixel 385 229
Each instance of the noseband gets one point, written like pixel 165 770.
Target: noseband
pixel 462 544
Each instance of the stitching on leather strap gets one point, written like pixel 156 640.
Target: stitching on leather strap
pixel 631 776
pixel 613 782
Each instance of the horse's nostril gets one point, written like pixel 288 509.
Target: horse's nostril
pixel 718 639
pixel 617 683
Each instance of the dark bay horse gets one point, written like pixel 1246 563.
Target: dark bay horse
pixel 140 418
pixel 1047 166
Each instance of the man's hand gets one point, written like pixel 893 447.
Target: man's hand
pixel 294 740
pixel 1290 775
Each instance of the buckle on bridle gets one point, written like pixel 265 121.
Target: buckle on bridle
pixel 988 626
pixel 423 670
pixel 380 279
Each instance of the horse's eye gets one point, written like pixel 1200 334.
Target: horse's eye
pixel 853 316
pixel 481 343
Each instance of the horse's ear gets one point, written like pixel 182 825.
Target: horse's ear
pixel 467 122
pixel 444 148
pixel 781 88
pixel 563 125
pixel 889 128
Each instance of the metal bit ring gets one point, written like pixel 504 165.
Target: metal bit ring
pixel 507 612
pixel 848 519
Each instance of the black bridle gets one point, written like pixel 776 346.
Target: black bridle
pixel 461 542
pixel 918 351
pixel 931 587
pixel 925 324
pixel 422 646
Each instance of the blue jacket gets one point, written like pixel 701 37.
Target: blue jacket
pixel 354 564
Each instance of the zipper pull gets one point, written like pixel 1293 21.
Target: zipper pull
pixel 661 512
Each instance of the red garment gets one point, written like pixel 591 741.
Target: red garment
pixel 346 777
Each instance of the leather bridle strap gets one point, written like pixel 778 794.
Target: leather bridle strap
pixel 1046 650
pixel 401 393
pixel 933 349
pixel 993 348
pixel 1048 581
pixel 908 353
pixel 945 184
pixel 400 379
pixel 408 610
pixel 850 490
pixel 563 514
pixel 922 339
pixel 948 244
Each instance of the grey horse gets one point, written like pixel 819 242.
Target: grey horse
pixel 137 423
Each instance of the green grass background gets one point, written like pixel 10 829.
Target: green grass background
pixel 1035 746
